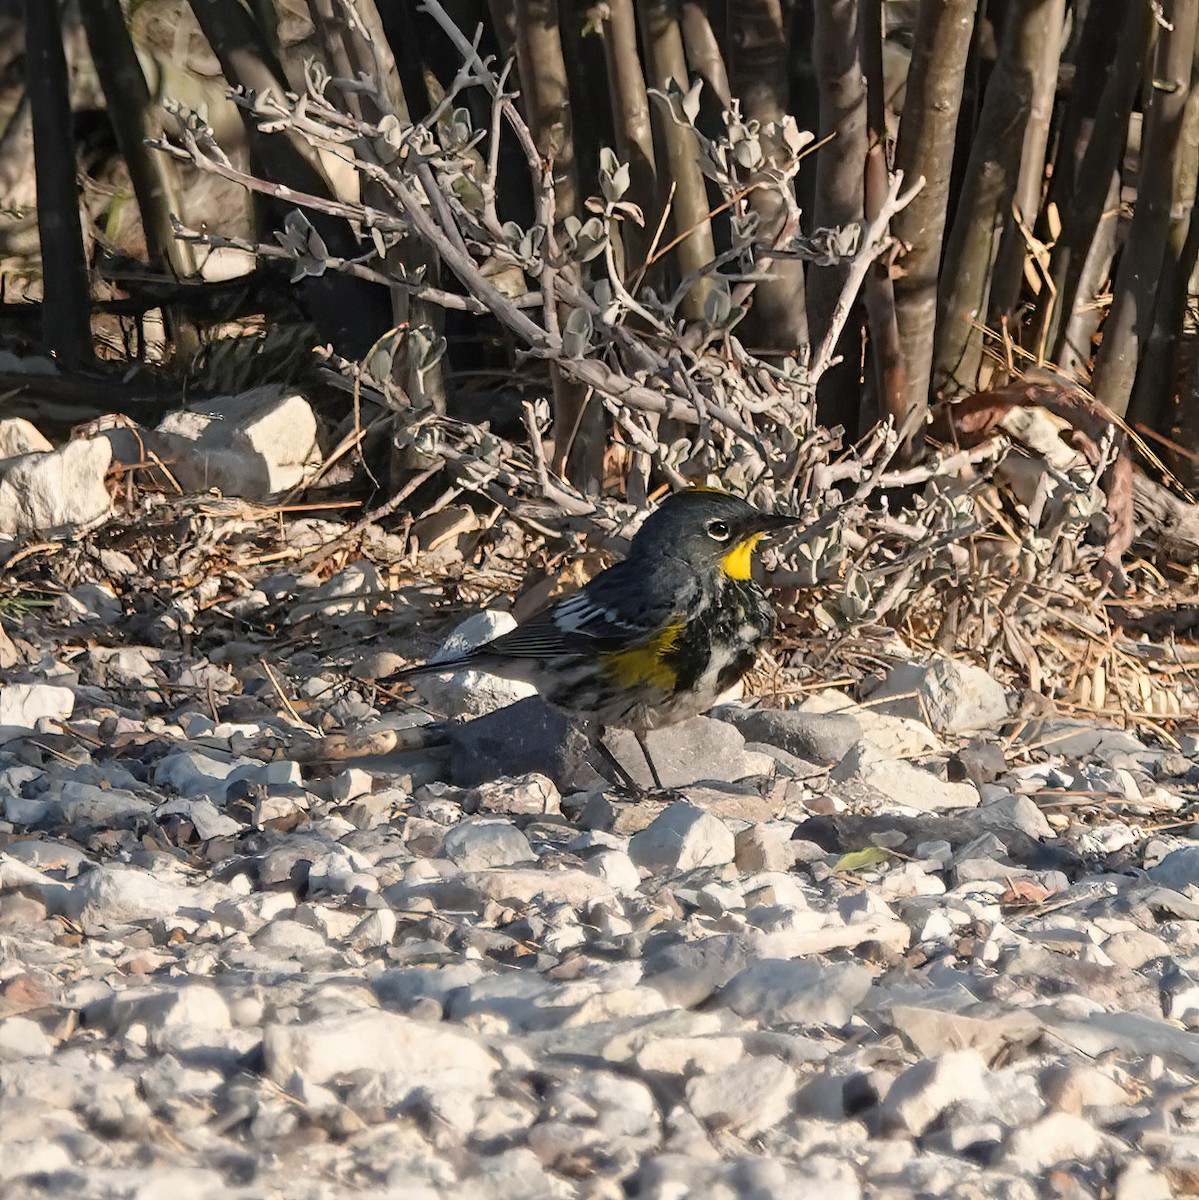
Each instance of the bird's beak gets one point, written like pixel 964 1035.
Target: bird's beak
pixel 774 522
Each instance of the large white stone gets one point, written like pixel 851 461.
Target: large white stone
pixel 476 845
pixel 253 445
pixel 682 838
pixel 748 1097
pixel 902 782
pixel 414 1054
pixel 55 491
pixel 18 436
pixel 469 692
pixel 22 705
pixel 924 1091
pixel 113 895
pixel 947 695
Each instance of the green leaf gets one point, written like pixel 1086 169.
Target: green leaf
pixel 859 860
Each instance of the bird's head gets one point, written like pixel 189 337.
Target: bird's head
pixel 709 529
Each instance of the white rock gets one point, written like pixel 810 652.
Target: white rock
pixel 337 871
pixel 947 695
pixel 764 848
pixel 470 692
pixel 87 803
pixel 1009 811
pixel 34 1157
pixel 682 838
pixel 1135 947
pixel 1077 1087
pixel 254 911
pixel 25 810
pixel 289 938
pixel 193 773
pixel 688 753
pixel 414 1054
pixel 747 1098
pixel 208 820
pixel 517 795
pixel 475 845
pixel 16 874
pixel 924 1091
pixel 358 588
pixel 283 772
pixel 23 705
pixel 1139 1181
pixel 111 895
pixel 616 868
pixel 351 784
pixel 55 491
pixel 903 783
pixel 132 663
pixel 619 1107
pixel 517 885
pixel 898 737
pixel 22 1038
pixel 1178 869
pixel 194 1005
pixel 377 928
pixel 779 991
pixel 18 436
pixel 1058 1137
pixel 253 445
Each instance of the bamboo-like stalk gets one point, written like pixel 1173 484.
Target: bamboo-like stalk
pixel 545 95
pixel 1075 347
pixel 990 183
pixel 927 136
pixel 503 22
pixel 758 68
pixel 878 290
pixel 1042 37
pixel 1127 327
pixel 154 177
pixel 632 121
pixel 663 42
pixel 347 311
pixel 703 50
pixel 1083 253
pixel 840 167
pixel 66 305
pixel 1157 377
pixel 839 164
pixel 578 431
pixel 357 46
pixel 1097 35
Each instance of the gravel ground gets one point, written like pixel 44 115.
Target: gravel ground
pixel 912 949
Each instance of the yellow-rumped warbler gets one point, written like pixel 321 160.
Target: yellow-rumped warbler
pixel 655 638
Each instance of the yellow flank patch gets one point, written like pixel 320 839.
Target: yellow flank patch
pixel 646 665
pixel 738 562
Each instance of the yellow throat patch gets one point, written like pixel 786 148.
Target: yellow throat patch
pixel 738 562
pixel 641 665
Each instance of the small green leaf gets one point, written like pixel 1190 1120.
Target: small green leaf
pixel 858 860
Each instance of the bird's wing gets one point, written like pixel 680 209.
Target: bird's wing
pixel 608 614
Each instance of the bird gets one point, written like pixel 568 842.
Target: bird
pixel 654 639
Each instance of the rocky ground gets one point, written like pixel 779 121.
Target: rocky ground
pixel 917 948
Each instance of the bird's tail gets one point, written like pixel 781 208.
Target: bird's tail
pixel 432 667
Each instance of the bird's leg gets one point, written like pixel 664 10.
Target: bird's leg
pixel 649 759
pixel 622 776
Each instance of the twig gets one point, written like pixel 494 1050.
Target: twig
pixel 875 240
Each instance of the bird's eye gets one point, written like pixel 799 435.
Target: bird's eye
pixel 719 531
